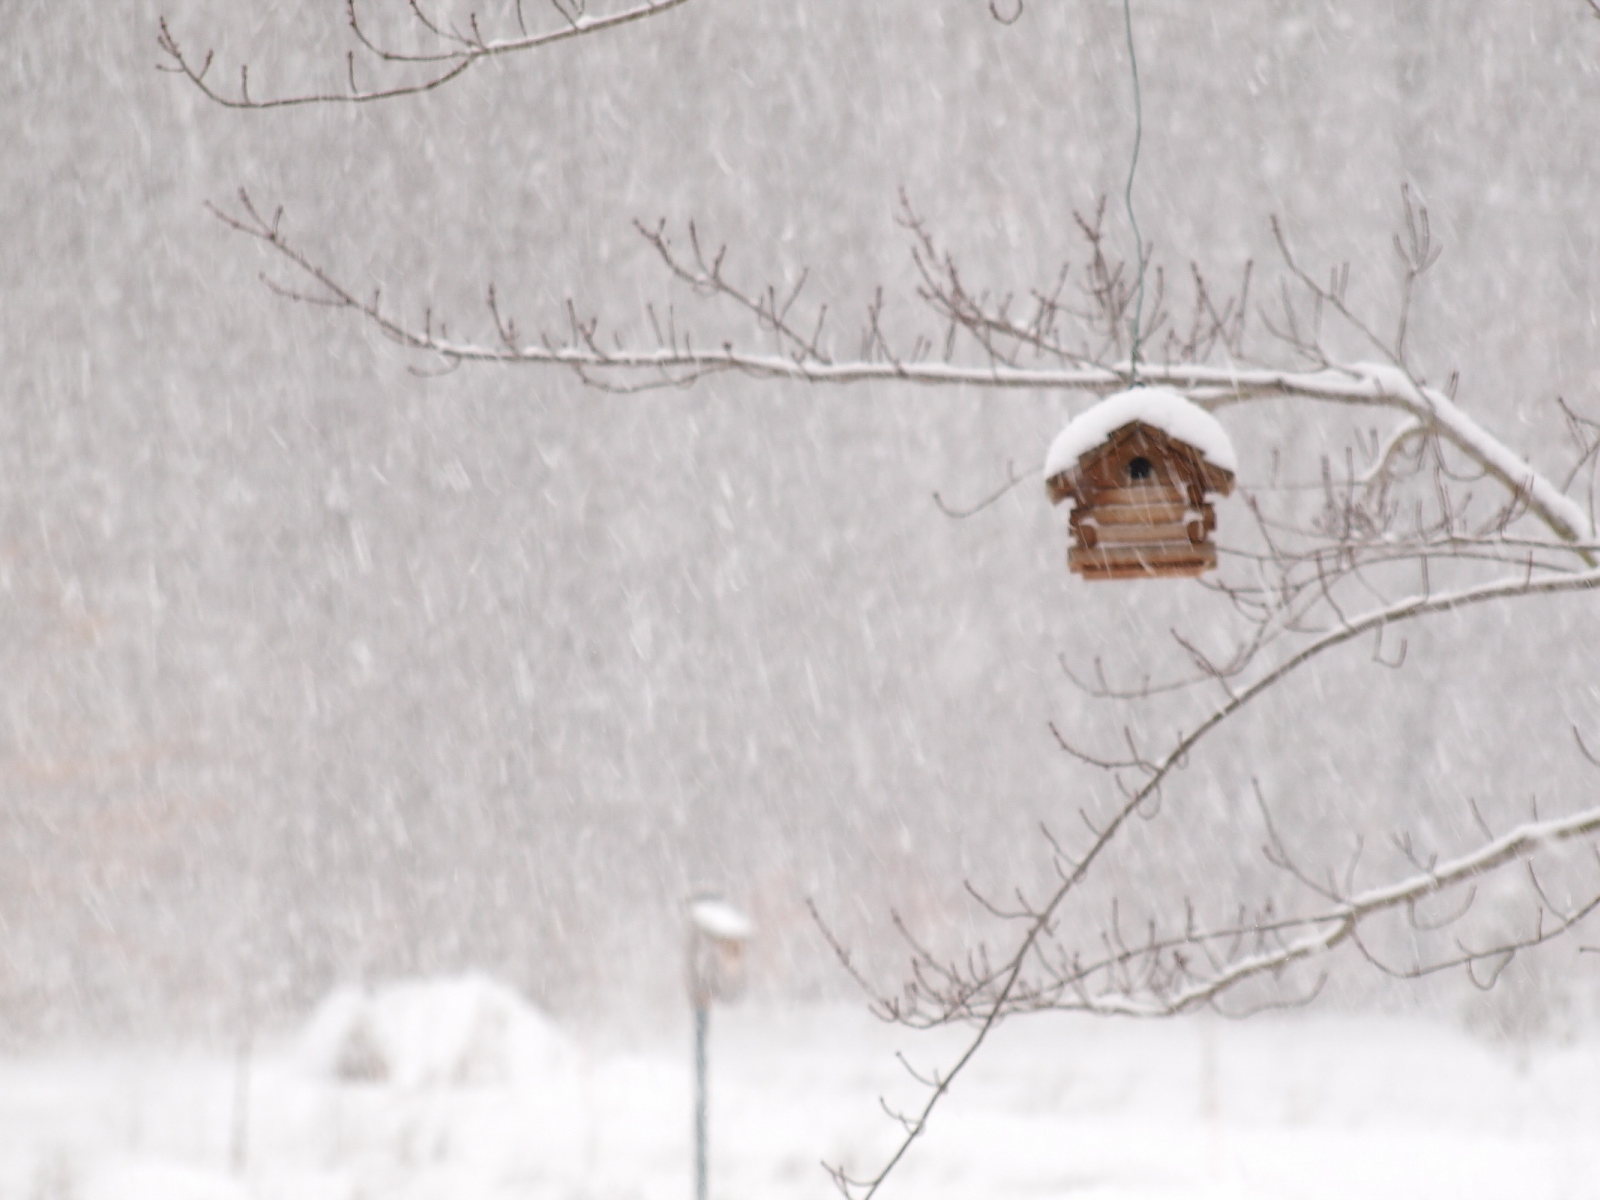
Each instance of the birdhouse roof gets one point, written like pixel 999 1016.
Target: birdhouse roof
pixel 720 920
pixel 1161 408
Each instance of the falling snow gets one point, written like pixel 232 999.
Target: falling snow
pixel 340 681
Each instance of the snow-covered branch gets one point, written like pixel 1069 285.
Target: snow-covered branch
pixel 1341 922
pixel 459 50
pixel 1386 386
pixel 675 360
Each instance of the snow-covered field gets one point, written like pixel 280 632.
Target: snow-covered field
pixel 484 1099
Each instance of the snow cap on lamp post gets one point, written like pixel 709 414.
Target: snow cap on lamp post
pixel 717 934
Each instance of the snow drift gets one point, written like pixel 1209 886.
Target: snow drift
pixel 431 1033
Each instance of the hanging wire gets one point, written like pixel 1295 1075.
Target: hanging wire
pixel 1127 195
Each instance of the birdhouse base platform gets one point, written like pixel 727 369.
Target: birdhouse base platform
pixel 1154 560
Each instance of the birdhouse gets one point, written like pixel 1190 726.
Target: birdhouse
pixel 717 936
pixel 1139 468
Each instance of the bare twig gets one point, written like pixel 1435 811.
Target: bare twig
pixel 1012 480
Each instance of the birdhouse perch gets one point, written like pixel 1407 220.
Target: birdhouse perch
pixel 1138 468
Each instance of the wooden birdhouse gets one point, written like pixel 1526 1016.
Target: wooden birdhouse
pixel 1139 468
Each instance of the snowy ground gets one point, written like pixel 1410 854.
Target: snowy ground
pixel 1275 1108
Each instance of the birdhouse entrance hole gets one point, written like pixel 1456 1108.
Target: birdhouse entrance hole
pixel 1138 468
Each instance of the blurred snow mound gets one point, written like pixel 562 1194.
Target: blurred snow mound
pixel 129 1180
pixel 431 1033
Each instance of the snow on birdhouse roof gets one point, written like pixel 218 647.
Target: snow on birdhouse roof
pixel 1163 408
pixel 720 919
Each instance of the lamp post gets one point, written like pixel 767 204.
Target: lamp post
pixel 717 934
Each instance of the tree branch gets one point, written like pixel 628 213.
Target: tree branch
pixel 465 52
pixel 1002 999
